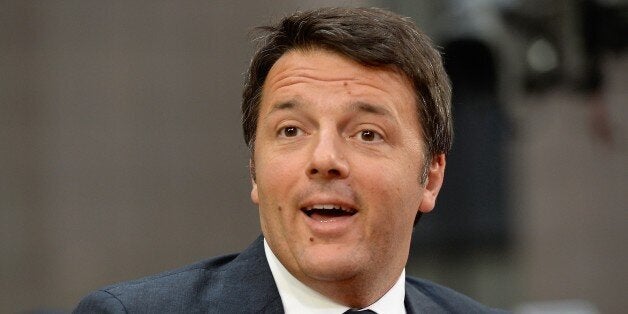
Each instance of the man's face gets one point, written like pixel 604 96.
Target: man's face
pixel 338 158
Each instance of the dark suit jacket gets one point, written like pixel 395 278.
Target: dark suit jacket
pixel 241 283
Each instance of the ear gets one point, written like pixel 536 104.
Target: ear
pixel 435 176
pixel 254 194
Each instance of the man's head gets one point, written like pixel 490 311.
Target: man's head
pixel 371 37
pixel 347 115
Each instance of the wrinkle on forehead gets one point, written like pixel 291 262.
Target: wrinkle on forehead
pixel 293 77
pixel 293 68
pixel 296 76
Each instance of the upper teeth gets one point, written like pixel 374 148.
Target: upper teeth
pixel 326 206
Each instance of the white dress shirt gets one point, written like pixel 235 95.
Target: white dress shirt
pixel 299 298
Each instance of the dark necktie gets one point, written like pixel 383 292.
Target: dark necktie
pixel 350 311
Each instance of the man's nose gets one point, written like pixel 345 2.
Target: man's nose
pixel 328 158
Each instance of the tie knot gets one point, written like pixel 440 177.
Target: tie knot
pixel 350 311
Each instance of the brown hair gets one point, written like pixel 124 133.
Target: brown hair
pixel 372 37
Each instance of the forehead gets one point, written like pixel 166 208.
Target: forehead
pixel 301 71
pixel 331 66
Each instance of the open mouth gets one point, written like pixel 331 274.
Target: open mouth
pixel 327 212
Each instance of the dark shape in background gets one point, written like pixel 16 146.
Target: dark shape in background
pixel 472 212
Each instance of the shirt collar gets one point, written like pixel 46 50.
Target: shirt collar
pixel 299 298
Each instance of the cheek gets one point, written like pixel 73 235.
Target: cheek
pixel 277 171
pixel 275 176
pixel 395 191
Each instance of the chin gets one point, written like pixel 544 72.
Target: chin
pixel 331 265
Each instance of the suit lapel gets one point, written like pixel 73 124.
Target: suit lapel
pixel 247 284
pixel 417 302
pixel 273 307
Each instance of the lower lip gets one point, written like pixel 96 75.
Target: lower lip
pixel 329 226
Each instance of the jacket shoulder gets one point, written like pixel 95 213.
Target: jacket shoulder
pixel 100 302
pixel 171 291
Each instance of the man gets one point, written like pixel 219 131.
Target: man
pixel 347 116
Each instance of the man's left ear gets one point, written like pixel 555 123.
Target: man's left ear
pixel 435 176
pixel 254 193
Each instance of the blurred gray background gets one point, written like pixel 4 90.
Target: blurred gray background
pixel 121 151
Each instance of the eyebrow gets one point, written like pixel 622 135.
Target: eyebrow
pixel 370 108
pixel 291 104
pixel 358 106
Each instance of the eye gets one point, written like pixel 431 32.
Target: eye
pixel 369 136
pixel 290 131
